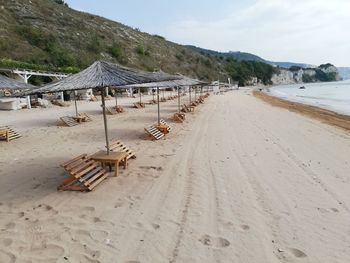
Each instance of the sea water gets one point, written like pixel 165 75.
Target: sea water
pixel 333 96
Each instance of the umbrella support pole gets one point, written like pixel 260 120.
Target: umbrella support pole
pixel 158 106
pixel 75 103
pixel 140 97
pixel 105 119
pixel 178 98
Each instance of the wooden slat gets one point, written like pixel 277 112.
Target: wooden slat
pixel 69 121
pixel 93 177
pixel 73 160
pixel 154 132
pixel 88 176
pixel 93 185
pixel 84 171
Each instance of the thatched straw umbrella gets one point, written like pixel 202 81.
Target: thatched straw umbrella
pixel 182 81
pixel 99 76
pixel 13 86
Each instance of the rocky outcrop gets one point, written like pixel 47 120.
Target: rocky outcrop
pixel 325 72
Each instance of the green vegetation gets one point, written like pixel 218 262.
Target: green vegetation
pixel 61 2
pixel 46 35
pixel 9 63
pixel 141 50
pixel 245 71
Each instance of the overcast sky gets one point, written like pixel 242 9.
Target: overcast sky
pixel 308 31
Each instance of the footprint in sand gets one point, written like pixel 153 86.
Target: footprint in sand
pixel 90 260
pixel 155 226
pixel 6 242
pixel 88 209
pixel 46 208
pixel 99 235
pixel 216 242
pixel 10 225
pixel 157 168
pixel 245 227
pixel 95 235
pixel 335 210
pixel 48 250
pixel 132 261
pixel 7 257
pixel 297 253
pixel 118 204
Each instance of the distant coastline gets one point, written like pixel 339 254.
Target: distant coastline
pixel 333 96
pixel 316 112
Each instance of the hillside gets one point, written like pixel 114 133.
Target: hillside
pixel 244 56
pixel 323 73
pixel 45 32
pixel 48 35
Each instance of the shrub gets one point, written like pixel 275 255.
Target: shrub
pixel 141 50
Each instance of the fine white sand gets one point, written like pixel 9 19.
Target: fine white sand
pixel 239 181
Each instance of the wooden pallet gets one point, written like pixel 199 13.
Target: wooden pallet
pixel 119 109
pixel 154 132
pixel 163 122
pixel 84 174
pixel 8 134
pixel 85 116
pixel 111 110
pixel 187 108
pixel 139 105
pixel 119 146
pixel 179 117
pixel 69 121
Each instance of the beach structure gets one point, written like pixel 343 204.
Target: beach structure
pixel 9 87
pixel 182 81
pixel 26 74
pixel 84 171
pixel 99 76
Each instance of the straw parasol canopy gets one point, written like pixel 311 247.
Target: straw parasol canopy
pixel 180 82
pixel 100 75
pixel 12 86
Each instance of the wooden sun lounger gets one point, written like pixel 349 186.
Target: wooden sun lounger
pixel 162 99
pixel 114 110
pixel 152 102
pixel 179 117
pixel 154 132
pixel 85 174
pixel 163 122
pixel 139 105
pixel 69 121
pixel 8 134
pixel 111 110
pixel 119 146
pixel 187 108
pixel 85 117
pixel 119 109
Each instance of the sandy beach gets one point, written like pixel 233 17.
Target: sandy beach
pixel 238 181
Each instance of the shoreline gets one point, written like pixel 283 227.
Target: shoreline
pixel 332 96
pixel 324 115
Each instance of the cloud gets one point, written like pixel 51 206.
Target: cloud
pixel 311 31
